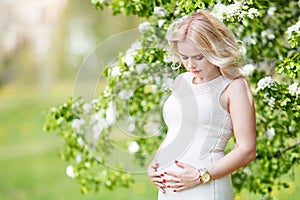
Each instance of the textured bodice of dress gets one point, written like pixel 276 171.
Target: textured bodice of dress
pixel 198 131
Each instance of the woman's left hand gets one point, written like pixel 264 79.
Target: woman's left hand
pixel 187 178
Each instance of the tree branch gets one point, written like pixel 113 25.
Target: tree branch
pixel 279 153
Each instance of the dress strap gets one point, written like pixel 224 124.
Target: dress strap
pixel 225 83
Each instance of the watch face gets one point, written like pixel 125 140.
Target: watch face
pixel 205 178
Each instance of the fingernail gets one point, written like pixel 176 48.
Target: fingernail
pixel 174 190
pixel 168 186
pixel 164 180
pixel 162 175
pixel 176 161
pixel 165 172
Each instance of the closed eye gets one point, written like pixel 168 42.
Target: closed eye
pixel 184 57
pixel 200 57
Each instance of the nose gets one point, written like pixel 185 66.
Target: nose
pixel 191 64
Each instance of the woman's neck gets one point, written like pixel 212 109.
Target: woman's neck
pixel 202 79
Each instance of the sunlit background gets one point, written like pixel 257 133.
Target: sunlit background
pixel 42 45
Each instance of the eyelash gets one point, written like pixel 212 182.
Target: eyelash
pixel 197 58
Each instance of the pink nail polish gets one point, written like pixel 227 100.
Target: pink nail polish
pixel 176 161
pixel 164 180
pixel 165 172
pixel 168 186
pixel 162 175
pixel 174 191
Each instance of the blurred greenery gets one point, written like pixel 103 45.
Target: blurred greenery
pixel 30 168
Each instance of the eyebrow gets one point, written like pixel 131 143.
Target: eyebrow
pixel 191 56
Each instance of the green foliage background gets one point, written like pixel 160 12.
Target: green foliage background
pixel 267 46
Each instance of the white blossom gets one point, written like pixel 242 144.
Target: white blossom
pixel 97 130
pixel 80 141
pixel 294 89
pixel 94 102
pixel 74 105
pixel 271 10
pixel 145 81
pixel 74 134
pixel 125 94
pixel 77 123
pixel 231 10
pixel 97 116
pixel 143 27
pixel 60 120
pixel 267 34
pixel 86 108
pixel 129 57
pixel 133 147
pixel 111 114
pixel 160 11
pixel 247 170
pixel 97 1
pixel 248 40
pixel 252 12
pixel 131 127
pixel 218 11
pixel 225 12
pixel 154 88
pixel 292 128
pixel 160 23
pixel 294 28
pixel 176 12
pixel 131 68
pixel 140 67
pixel 269 100
pixel 136 46
pixel 264 82
pixel 70 171
pixel 243 49
pixel 106 92
pixel 168 83
pixel 271 133
pixel 157 79
pixel 115 71
pixel 87 164
pixel 248 69
pixel 78 158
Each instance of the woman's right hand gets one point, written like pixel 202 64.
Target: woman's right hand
pixel 156 178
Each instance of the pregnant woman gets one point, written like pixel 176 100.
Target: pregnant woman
pixel 209 103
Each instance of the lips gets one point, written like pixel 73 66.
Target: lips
pixel 195 71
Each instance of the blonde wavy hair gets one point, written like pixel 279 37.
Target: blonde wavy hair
pixel 211 37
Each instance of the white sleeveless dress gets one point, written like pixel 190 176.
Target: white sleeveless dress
pixel 198 131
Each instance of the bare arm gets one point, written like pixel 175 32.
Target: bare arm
pixel 241 107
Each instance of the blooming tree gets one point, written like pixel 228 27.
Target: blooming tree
pixel 139 81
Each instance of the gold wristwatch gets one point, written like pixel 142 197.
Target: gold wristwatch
pixel 204 175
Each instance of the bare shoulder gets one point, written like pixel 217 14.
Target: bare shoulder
pixel 238 84
pixel 238 88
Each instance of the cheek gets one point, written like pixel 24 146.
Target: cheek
pixel 184 62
